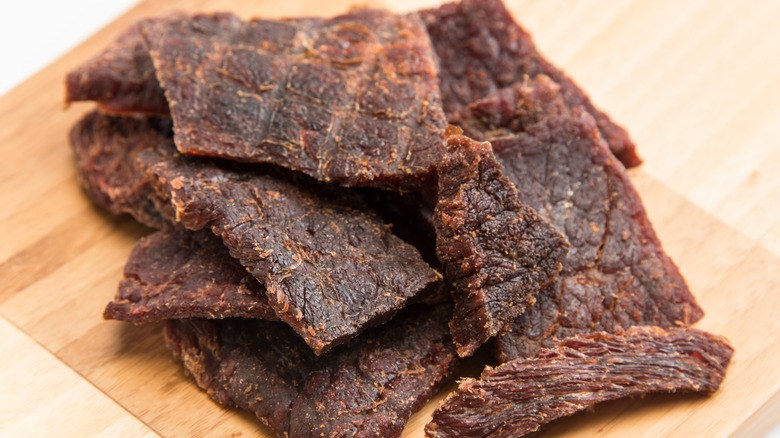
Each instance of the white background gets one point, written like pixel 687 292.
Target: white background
pixel 34 33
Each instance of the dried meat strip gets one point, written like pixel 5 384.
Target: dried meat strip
pixel 353 99
pixel 517 397
pixel 482 49
pixel 616 273
pixel 331 267
pixel 175 274
pixel 368 388
pixel 497 252
pixel 512 109
pixel 106 153
pixel 121 79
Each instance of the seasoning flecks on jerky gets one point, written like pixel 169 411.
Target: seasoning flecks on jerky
pixel 497 252
pixel 178 274
pixel 517 397
pixel 511 110
pixel 369 387
pixel 353 99
pixel 331 267
pixel 121 79
pixel 482 49
pixel 616 274
pixel 106 152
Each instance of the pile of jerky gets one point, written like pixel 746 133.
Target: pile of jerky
pixel 346 207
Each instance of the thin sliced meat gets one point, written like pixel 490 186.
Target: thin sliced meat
pixel 616 274
pixel 519 396
pixel 176 274
pixel 106 153
pixel 482 49
pixel 369 387
pixel 121 79
pixel 352 99
pixel 497 252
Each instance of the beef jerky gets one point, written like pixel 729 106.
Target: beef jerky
pixel 616 273
pixel 497 252
pixel 183 274
pixel 517 397
pixel 121 79
pixel 351 99
pixel 366 388
pixel 482 49
pixel 512 109
pixel 331 267
pixel 106 152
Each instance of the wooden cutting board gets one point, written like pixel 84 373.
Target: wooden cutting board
pixel 697 83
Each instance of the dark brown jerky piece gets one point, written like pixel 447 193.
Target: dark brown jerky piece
pixel 482 49
pixel 512 109
pixel 616 274
pixel 331 266
pixel 185 274
pixel 121 79
pixel 106 151
pixel 352 99
pixel 517 397
pixel 367 388
pixel 497 252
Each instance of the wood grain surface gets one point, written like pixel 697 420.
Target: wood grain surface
pixel 697 83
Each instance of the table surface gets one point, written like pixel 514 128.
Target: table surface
pixel 696 83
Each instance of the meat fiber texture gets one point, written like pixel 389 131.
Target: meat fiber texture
pixel 178 274
pixel 368 388
pixel 482 49
pixel 497 252
pixel 519 396
pixel 325 259
pixel 352 99
pixel 106 154
pixel 121 79
pixel 616 273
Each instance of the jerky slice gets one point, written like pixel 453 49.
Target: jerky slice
pixel 512 109
pixel 497 252
pixel 367 388
pixel 331 267
pixel 616 273
pixel 482 49
pixel 121 79
pixel 184 274
pixel 352 99
pixel 517 397
pixel 106 152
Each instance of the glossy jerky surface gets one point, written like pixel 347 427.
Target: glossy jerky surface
pixel 121 79
pixel 106 152
pixel 616 274
pixel 352 99
pixel 497 252
pixel 482 49
pixel 331 266
pixel 184 274
pixel 517 397
pixel 367 388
